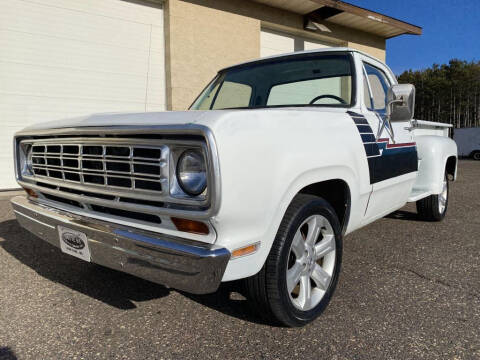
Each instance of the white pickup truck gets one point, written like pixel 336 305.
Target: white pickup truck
pixel 275 162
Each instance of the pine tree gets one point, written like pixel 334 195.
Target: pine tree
pixel 447 93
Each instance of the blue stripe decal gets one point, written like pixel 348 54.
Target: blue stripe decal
pixel 384 162
pixel 365 129
pixel 371 149
pixel 360 121
pixel 368 138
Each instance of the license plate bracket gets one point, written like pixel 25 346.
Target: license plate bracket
pixel 74 243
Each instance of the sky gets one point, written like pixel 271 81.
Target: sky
pixel 451 29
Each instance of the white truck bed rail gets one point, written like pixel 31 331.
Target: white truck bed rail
pixel 423 127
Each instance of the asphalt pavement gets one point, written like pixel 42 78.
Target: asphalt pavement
pixel 408 290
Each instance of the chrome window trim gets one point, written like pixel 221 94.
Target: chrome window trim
pixel 213 166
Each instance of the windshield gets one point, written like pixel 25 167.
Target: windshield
pixel 301 80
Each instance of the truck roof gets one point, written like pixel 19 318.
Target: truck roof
pixel 297 53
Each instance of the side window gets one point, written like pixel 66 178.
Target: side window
pixel 366 94
pixel 379 85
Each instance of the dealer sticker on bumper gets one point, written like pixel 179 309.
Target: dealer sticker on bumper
pixel 74 243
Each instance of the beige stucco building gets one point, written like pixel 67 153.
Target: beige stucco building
pixel 202 36
pixel 67 58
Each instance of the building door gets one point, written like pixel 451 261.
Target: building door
pixel 275 43
pixel 65 58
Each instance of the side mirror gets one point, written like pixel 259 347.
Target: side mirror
pixel 401 102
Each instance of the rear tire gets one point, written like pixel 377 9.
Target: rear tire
pixel 434 207
pixel 476 155
pixel 301 272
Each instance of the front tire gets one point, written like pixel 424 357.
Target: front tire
pixel 476 155
pixel 301 272
pixel 434 207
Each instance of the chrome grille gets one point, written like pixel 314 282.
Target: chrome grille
pixel 127 177
pixel 127 167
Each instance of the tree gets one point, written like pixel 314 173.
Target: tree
pixel 447 93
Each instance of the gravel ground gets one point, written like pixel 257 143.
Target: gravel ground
pixel 408 290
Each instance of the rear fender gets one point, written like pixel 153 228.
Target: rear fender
pixel 433 154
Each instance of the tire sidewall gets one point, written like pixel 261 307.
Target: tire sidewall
pixel 441 215
pixel 314 207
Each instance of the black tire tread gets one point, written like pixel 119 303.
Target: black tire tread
pixel 427 208
pixel 256 286
pixel 275 254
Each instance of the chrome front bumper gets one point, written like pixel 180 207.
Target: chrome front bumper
pixel 179 263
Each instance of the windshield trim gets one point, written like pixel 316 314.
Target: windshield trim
pixel 212 82
pixel 336 106
pixel 221 80
pixel 301 56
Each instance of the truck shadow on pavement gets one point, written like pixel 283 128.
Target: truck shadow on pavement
pixel 7 354
pixel 404 215
pixel 230 299
pixel 109 286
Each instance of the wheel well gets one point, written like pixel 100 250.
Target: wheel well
pixel 451 166
pixel 337 193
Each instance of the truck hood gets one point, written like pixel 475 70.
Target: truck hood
pixel 123 119
pixel 232 118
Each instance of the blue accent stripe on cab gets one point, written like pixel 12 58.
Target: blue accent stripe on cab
pixel 383 162
pixel 371 149
pixel 365 129
pixel 368 138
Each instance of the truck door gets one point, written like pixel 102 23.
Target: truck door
pixel 392 155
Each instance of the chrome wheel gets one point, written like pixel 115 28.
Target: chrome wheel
pixel 442 197
pixel 311 262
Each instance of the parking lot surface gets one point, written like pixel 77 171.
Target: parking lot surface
pixel 408 290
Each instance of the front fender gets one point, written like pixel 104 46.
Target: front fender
pixel 433 153
pixel 266 158
pixel 250 265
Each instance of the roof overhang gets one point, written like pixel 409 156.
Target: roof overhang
pixel 347 15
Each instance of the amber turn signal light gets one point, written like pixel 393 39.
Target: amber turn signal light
pixel 247 250
pixel 31 192
pixel 190 226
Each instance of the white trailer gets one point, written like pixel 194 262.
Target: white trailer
pixel 468 142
